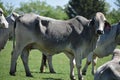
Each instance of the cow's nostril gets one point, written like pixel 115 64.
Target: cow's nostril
pixel 99 32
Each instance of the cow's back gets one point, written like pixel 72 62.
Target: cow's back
pixel 55 38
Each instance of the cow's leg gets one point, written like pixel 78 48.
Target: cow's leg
pixel 94 61
pixel 43 63
pixel 24 57
pixel 88 62
pixel 14 57
pixel 78 59
pixel 16 62
pixel 72 64
pixel 86 67
pixel 49 57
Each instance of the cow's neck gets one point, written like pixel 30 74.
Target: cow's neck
pixel 93 38
pixel 3 37
pixel 111 37
pixel 88 39
pixel 106 43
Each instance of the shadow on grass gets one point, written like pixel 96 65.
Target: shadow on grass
pixel 49 78
pixel 52 79
pixel 44 72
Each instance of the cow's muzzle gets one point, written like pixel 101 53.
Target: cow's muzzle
pixel 100 32
pixel 4 25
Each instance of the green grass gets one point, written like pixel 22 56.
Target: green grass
pixel 60 63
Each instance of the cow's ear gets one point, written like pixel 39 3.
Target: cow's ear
pixel 15 15
pixel 45 23
pixel 92 22
pixel 107 24
pixel 76 24
pixel 42 25
pixel 77 27
pixel 107 27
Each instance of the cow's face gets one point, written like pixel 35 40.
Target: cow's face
pixel 3 22
pixel 100 23
pixel 11 20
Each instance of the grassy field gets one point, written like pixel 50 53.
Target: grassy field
pixel 60 63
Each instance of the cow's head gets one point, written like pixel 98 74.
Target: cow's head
pixel 100 23
pixel 11 20
pixel 3 22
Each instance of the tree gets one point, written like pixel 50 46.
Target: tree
pixel 3 8
pixel 117 3
pixel 7 8
pixel 86 8
pixel 113 16
pixel 42 9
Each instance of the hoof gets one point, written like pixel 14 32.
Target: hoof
pixel 83 73
pixel 81 78
pixel 41 71
pixel 93 72
pixel 29 75
pixel 73 78
pixel 53 72
pixel 12 74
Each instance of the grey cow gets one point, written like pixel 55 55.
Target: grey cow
pixel 75 37
pixel 7 32
pixel 111 69
pixel 105 46
pixel 3 22
pixel 44 57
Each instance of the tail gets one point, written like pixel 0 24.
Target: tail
pixel 14 35
pixel 17 19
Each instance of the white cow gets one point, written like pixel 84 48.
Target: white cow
pixel 3 22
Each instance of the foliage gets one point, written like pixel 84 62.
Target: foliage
pixel 3 8
pixel 43 9
pixel 117 3
pixel 7 8
pixel 113 16
pixel 86 8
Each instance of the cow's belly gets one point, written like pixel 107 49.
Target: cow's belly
pixel 51 47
